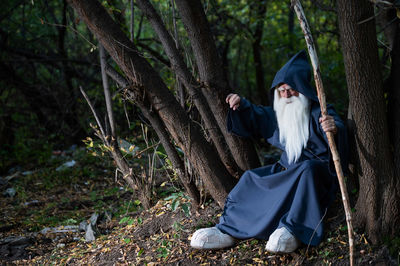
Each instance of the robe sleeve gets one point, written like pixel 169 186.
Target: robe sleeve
pixel 251 120
pixel 340 140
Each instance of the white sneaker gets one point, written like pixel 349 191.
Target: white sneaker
pixel 282 241
pixel 211 238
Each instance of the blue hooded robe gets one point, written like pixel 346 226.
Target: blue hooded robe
pixel 294 195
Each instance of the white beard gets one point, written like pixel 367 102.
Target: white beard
pixel 293 116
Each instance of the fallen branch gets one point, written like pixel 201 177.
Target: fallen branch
pixel 321 97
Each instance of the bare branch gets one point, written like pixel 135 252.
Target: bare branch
pixel 154 53
pixel 106 87
pixel 94 113
pixel 383 3
pixel 123 82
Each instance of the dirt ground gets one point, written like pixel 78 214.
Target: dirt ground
pixel 39 226
pixel 162 236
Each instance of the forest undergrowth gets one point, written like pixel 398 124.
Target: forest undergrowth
pixel 41 223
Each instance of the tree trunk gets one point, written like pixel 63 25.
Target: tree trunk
pixel 393 85
pixel 259 13
pixel 163 135
pixel 178 85
pixel 173 155
pixel 215 87
pixel 375 206
pixel 190 83
pixel 107 94
pixel 71 109
pixel 149 89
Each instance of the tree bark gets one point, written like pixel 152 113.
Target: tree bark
pixel 107 94
pixel 393 88
pixel 71 109
pixel 127 174
pixel 178 84
pixel 375 206
pixel 190 83
pixel 173 155
pixel 163 135
pixel 215 87
pixel 147 87
pixel 259 10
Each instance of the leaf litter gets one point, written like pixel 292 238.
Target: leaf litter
pixel 158 236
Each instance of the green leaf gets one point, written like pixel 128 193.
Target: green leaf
pixel 171 197
pixel 177 226
pixel 161 154
pixel 127 240
pixel 186 209
pixel 124 220
pixel 254 242
pixel 140 252
pixel 175 204
pixel 70 221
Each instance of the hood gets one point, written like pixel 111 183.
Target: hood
pixel 297 74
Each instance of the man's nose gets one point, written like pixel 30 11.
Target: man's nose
pixel 287 94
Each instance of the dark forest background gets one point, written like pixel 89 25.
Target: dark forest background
pixel 47 53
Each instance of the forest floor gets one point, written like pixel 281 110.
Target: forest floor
pixel 40 224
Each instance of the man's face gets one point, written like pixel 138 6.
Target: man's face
pixel 292 114
pixel 286 91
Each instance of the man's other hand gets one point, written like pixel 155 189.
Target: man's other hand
pixel 328 124
pixel 233 100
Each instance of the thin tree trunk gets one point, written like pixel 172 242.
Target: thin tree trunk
pixel 190 83
pixel 179 87
pixel 127 173
pixel 214 85
pixel 262 91
pixel 163 135
pixel 144 189
pixel 394 127
pixel 70 111
pixel 107 94
pixel 149 89
pixel 173 155
pixel 364 79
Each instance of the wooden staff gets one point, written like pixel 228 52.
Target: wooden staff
pixel 321 97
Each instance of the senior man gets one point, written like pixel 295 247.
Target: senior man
pixel 286 202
